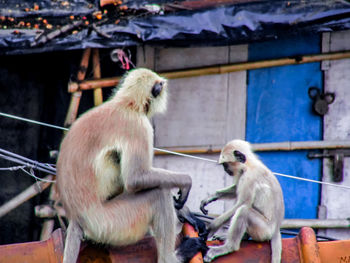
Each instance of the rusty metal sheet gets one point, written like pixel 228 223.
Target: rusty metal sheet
pixel 302 248
pixel 50 250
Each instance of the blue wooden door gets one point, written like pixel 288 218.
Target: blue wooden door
pixel 279 109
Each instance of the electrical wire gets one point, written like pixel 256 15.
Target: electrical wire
pixel 32 121
pixel 13 168
pixel 312 181
pixel 167 151
pixel 186 155
pixel 31 173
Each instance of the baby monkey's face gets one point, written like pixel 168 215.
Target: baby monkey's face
pixel 233 168
pixel 232 158
pixel 228 169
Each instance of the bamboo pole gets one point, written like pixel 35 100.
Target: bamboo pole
pixel 75 98
pixel 316 223
pixel 302 145
pixel 93 84
pixel 24 196
pixel 274 146
pixel 220 69
pixel 48 224
pixel 47 229
pixel 341 223
pixel 98 98
pixel 47 211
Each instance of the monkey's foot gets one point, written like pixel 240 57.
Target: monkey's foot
pixel 215 252
pixel 221 237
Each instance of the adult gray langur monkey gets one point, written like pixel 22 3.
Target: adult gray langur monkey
pixel 258 209
pixel 105 178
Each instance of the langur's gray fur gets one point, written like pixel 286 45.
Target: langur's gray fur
pixel 258 209
pixel 105 178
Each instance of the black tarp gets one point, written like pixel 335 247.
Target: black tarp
pixel 218 25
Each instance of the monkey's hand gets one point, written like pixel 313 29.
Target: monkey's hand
pixel 185 215
pixel 207 201
pixel 204 203
pixel 182 197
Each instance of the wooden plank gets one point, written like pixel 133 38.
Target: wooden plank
pixel 25 195
pixel 98 97
pixel 76 96
pixel 215 70
pixel 336 127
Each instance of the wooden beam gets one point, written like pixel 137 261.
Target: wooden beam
pixel 219 69
pixel 273 146
pixel 98 98
pixel 48 224
pixel 30 192
pixel 75 98
pixel 47 211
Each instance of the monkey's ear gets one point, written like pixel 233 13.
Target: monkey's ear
pixel 239 156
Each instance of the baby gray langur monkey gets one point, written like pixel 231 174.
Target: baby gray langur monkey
pixel 258 209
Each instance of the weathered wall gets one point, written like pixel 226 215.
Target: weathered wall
pixel 203 112
pixel 36 91
pixel 35 87
pixel 335 201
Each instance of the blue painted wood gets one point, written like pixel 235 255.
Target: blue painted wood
pixel 279 109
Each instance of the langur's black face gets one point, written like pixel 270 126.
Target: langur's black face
pixel 231 167
pixel 157 89
pixel 227 169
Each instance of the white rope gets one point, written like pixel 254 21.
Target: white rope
pixel 32 121
pixel 312 181
pixel 13 168
pixel 176 153
pixel 186 155
pixel 31 173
